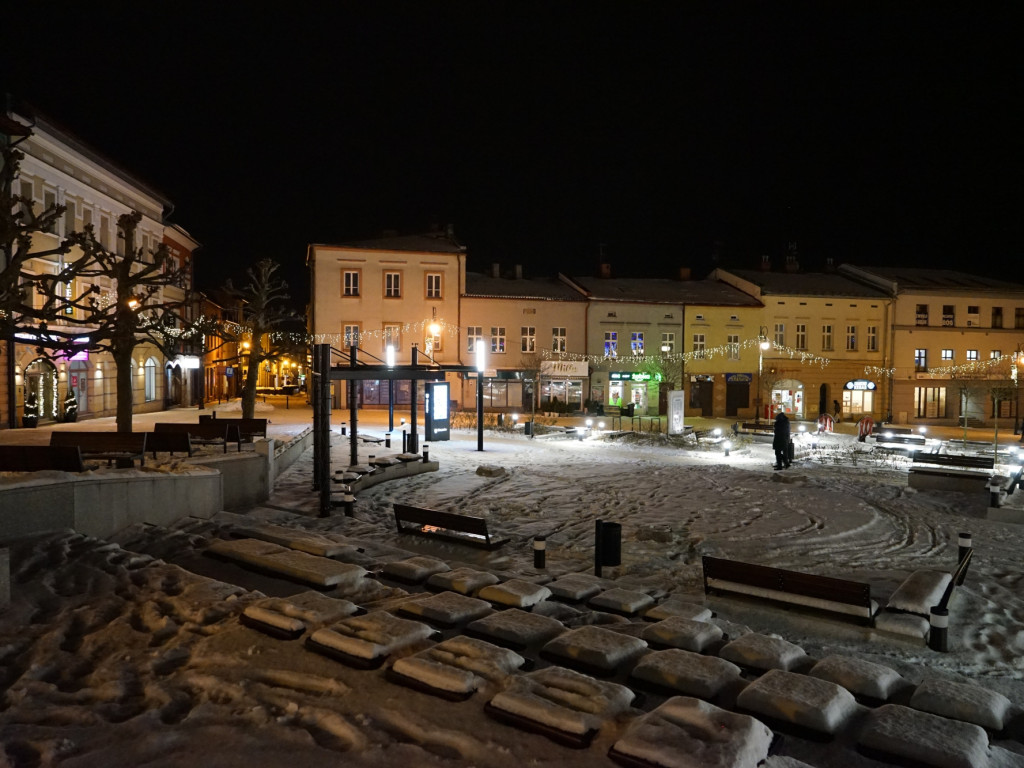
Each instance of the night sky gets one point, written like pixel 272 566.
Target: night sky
pixel 661 134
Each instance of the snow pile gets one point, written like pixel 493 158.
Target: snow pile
pixel 459 665
pixel 689 733
pixel 921 590
pixel 620 600
pixel 373 636
pixel 516 593
pixel 962 701
pixel 929 739
pixel 464 580
pixel 686 672
pixel 679 632
pixel 310 569
pixel 758 651
pixel 678 606
pixel 801 700
pixel 595 647
pixel 859 677
pixel 517 628
pixel 575 586
pixel 414 570
pixel 446 608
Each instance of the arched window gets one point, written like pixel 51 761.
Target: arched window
pixel 151 368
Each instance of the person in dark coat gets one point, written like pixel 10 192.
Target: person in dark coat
pixel 780 442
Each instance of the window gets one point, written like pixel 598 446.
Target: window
pixel 105 232
pixel 150 379
pixel 872 336
pixel 948 315
pixel 611 343
pixel 995 354
pixel 733 345
pixel 498 339
pixel 801 336
pixel 86 217
pixel 972 355
pixel 434 286
pixel 49 201
pixel 947 355
pixel 636 342
pixel 28 193
pixel 392 336
pixel 1018 317
pixel 930 402
pixel 69 217
pixel 698 345
pixel 921 360
pixel 474 336
pixel 393 285
pixel 826 338
pixel 922 314
pixel 997 317
pixel 350 282
pixel 350 335
pixel 780 334
pixel 668 342
pixel 432 343
pixel 558 339
pixel 851 338
pixel 529 338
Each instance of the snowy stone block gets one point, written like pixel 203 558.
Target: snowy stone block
pixel 516 593
pixel 464 580
pixel 686 672
pixel 517 627
pixel 562 699
pixel 803 701
pixel 294 614
pixel 415 569
pixel 690 733
pixel 489 470
pixel 908 624
pixel 292 538
pixel 859 677
pixel 319 571
pixel 622 600
pixel 759 651
pixel 919 592
pixel 923 737
pixel 687 634
pixel 675 606
pixel 372 636
pixel 575 586
pixel 596 647
pixel 962 701
pixel 273 622
pixel 459 665
pixel 447 608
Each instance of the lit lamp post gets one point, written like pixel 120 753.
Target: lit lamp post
pixel 762 346
pixel 481 361
pixel 389 357
pixel 1018 359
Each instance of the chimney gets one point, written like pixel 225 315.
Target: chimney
pixel 766 263
pixel 830 265
pixel 604 270
pixel 684 273
pixel 519 271
pixel 792 265
pixel 495 269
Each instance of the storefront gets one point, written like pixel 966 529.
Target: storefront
pixel 562 381
pixel 637 388
pixel 858 397
pixel 787 396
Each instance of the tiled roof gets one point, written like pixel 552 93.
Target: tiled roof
pixel 662 291
pixel 919 278
pixel 545 288
pixel 806 284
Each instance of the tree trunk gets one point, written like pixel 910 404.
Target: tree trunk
pixel 249 390
pixel 125 395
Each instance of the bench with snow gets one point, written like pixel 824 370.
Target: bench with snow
pixel 1000 486
pixel 888 438
pixel 35 458
pixel 948 472
pixel 112 446
pixel 247 428
pixel 706 435
pixel 447 525
pixel 822 593
pixel 881 429
pixel 213 432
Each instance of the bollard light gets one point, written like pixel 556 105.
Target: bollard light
pixel 600 425
pixel 728 446
pixel 426 452
pixel 539 551
pixel 717 432
pixel 938 632
pixel 590 423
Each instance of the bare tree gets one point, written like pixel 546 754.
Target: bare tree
pixel 264 316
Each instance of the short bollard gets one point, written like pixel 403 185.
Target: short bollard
pixel 405 441
pixel 426 453
pixel 540 544
pixel 343 428
pixel 387 439
pixel 347 501
pixel 937 634
pixel 964 545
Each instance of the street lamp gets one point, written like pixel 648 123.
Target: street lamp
pixel 763 346
pixel 481 362
pixel 389 358
pixel 1018 359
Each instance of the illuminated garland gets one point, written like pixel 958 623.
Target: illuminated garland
pixel 725 350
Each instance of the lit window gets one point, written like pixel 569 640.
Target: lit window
pixel 733 345
pixel 947 355
pixel 392 336
pixel 498 339
pixel 350 335
pixel 474 336
pixel 611 343
pixel 529 338
pixel 668 342
pixel 698 345
pixel 636 343
pixel 920 359
pixel 558 340
pixel 801 336
pixel 972 355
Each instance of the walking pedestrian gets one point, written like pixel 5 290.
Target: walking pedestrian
pixel 836 409
pixel 780 441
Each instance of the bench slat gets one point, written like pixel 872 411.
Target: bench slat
pixel 432 522
pixel 35 458
pixel 951 460
pixel 104 445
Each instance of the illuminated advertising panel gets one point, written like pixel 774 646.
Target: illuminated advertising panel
pixel 438 419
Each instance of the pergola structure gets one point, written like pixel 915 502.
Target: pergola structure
pixel 353 369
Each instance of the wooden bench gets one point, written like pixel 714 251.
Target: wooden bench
pixel 35 458
pixel 879 429
pixel 169 442
pixel 247 428
pixel 461 528
pixel 216 432
pixel 112 446
pixel 753 426
pixel 823 593
pixel 893 439
pixel 948 472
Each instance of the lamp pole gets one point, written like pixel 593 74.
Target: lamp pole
pixel 480 364
pixel 389 356
pixel 1018 359
pixel 762 346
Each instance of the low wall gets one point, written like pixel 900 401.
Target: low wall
pixel 102 503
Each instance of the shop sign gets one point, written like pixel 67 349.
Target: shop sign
pixel 563 368
pixel 633 376
pixel 860 385
pixel 738 377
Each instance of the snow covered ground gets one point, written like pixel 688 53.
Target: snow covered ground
pixel 131 652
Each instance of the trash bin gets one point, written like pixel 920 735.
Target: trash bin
pixel 611 544
pixel 528 428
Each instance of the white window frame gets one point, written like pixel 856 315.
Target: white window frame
pixel 528 334
pixel 350 333
pixel 851 338
pixel 392 335
pixel 497 339
pixel 350 279
pixel 872 338
pixel 732 342
pixel 558 339
pixel 636 342
pixel 826 337
pixel 780 334
pixel 668 339
pixel 611 343
pixel 432 290
pixel 392 285
pixel 801 336
pixel 474 336
pixel 699 345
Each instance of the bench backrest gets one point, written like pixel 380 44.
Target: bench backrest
pixel 169 442
pixel 90 442
pixel 33 458
pixel 252 426
pixel 951 460
pixel 204 430
pixel 793 582
pixel 431 521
